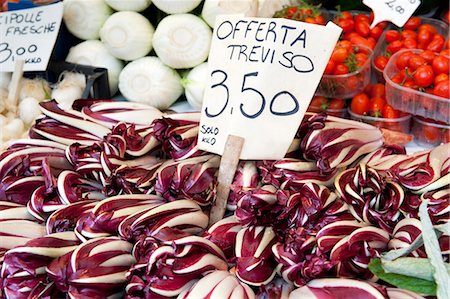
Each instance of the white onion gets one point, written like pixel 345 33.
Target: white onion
pixel 127 35
pixel 182 41
pixel 69 89
pixel 176 6
pixel 130 5
pixel 194 85
pixel 213 8
pixel 95 53
pixel 148 80
pixel 84 18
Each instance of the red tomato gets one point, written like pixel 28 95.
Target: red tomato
pixel 340 69
pixel 431 134
pixel 362 18
pixel 410 43
pixel 392 35
pixel 329 69
pixel 376 106
pixel 344 44
pixel 380 62
pixel 428 27
pixel 424 76
pixel 360 104
pixel 424 37
pixel 359 40
pixel 361 58
pixel 442 89
pixel 362 28
pixel 409 83
pixel 441 65
pixel 447 44
pixel 372 42
pixel 445 52
pixel 437 44
pixel 337 104
pixel 319 102
pixel 390 112
pixel 339 55
pixel 346 25
pixel 427 55
pixel 413 23
pixel 351 83
pixel 378 91
pixel 346 15
pixel 416 61
pixel 403 59
pixel 319 20
pixel 397 78
pixel 394 47
pixel 440 78
pixel 446 137
pixel 408 34
pixel 310 20
pixel 376 32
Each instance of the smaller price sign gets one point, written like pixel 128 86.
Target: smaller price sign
pixel 263 75
pixel 29 35
pixel 395 11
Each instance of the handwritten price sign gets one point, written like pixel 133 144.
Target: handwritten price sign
pixel 29 35
pixel 396 11
pixel 264 73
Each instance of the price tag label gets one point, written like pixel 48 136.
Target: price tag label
pixel 263 75
pixel 395 11
pixel 29 35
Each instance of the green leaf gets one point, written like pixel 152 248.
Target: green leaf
pixel 417 285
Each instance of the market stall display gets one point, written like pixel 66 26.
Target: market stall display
pixel 111 197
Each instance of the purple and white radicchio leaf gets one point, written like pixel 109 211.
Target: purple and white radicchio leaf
pixel 104 219
pixel 66 218
pixel 24 267
pixel 245 178
pixel 72 187
pixel 339 288
pixel 278 288
pixel 218 284
pixel 396 293
pixel 335 142
pixel 95 269
pixel 19 189
pixel 255 264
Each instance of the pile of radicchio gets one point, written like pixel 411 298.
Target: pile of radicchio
pixel 103 202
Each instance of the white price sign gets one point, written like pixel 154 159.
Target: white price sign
pixel 263 75
pixel 29 35
pixel 395 11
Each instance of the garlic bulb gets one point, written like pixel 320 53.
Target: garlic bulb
pixel 29 109
pixel 194 85
pixel 69 89
pixel 148 80
pixel 95 53
pixel 13 129
pixel 127 35
pixel 84 18
pixel 130 5
pixel 37 88
pixel 267 8
pixel 213 8
pixel 182 41
pixel 176 6
pixel 5 78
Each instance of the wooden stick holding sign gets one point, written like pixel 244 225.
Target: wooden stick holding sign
pixel 14 87
pixel 227 169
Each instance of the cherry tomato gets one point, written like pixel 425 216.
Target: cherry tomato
pixel 380 62
pixel 344 44
pixel 397 78
pixel 409 83
pixel 445 52
pixel 319 102
pixel 447 44
pixel 403 59
pixel 440 78
pixel 392 35
pixel 372 42
pixel 319 20
pixel 431 134
pixel 442 89
pixel 376 32
pixel 339 55
pixel 362 18
pixel 337 104
pixel 292 11
pixel 410 43
pixel 360 104
pixel 351 83
pixel 310 20
pixel 359 40
pixel 361 58
pixel 390 112
pixel 427 55
pixel 394 47
pixel 424 37
pixel 368 88
pixel 437 44
pixel 340 69
pixel 346 25
pixel 424 76
pixel 362 28
pixel 441 65
pixel 378 91
pixel 376 106
pixel 408 34
pixel 413 23
pixel 329 68
pixel 346 15
pixel 428 27
pixel 416 61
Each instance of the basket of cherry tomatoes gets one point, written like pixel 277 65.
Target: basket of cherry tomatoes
pixel 371 107
pixel 417 82
pixel 304 12
pixel 429 133
pixel 331 106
